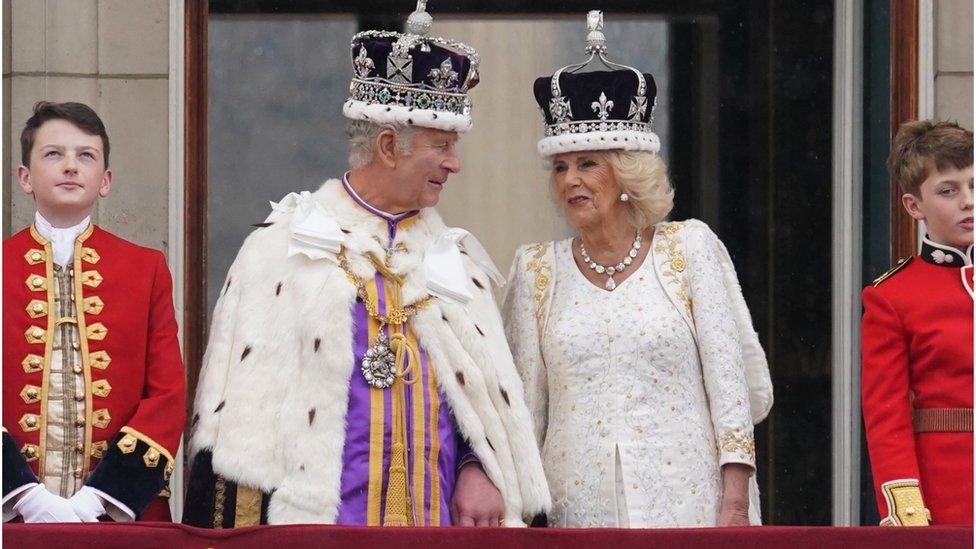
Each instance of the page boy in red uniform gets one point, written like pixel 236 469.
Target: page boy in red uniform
pixel 93 385
pixel 917 339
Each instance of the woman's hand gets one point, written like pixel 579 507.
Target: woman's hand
pixel 735 495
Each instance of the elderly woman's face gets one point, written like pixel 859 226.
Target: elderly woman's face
pixel 586 187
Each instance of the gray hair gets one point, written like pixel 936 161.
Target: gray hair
pixel 362 136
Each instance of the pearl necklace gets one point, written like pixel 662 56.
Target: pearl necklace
pixel 611 270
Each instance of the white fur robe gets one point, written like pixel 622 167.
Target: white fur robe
pixel 281 346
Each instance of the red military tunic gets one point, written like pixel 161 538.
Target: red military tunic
pixel 130 363
pixel 917 362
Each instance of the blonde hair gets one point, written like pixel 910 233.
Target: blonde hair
pixel 644 177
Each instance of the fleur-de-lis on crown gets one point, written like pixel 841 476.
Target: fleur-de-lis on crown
pixel 445 76
pixel 602 107
pixel 363 63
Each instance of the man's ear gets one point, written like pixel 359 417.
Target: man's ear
pixel 106 184
pixel 23 177
pixel 911 202
pixel 385 148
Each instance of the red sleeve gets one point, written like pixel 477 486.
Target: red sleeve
pixel 884 394
pixel 139 459
pixel 162 411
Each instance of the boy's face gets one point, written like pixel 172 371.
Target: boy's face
pixel 946 205
pixel 67 171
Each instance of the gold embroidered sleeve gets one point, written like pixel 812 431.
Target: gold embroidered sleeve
pixel 737 446
pixel 905 505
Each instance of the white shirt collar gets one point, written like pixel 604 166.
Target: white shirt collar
pixel 62 240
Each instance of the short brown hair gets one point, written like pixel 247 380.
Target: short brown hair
pixel 922 145
pixel 79 114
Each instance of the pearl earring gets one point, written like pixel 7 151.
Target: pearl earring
pixel 624 197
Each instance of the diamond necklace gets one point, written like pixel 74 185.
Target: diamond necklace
pixel 611 270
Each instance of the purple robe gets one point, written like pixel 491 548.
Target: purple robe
pixel 431 475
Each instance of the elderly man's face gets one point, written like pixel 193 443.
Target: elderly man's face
pixel 422 173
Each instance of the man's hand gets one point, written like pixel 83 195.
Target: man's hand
pixel 476 501
pixel 39 505
pixel 735 495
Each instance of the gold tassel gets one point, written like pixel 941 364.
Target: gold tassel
pixel 398 505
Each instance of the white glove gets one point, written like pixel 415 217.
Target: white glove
pixel 39 505
pixel 87 505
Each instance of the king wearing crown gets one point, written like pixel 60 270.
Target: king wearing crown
pixel 357 370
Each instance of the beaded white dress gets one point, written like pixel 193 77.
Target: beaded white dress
pixel 633 426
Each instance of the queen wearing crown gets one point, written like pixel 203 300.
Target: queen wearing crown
pixel 641 368
pixel 357 371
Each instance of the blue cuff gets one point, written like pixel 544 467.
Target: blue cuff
pixel 16 471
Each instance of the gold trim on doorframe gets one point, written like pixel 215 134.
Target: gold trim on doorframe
pixel 79 297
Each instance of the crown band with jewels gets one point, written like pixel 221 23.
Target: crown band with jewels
pixel 597 110
pixel 410 78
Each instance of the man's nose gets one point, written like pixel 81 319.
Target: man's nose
pixel 453 162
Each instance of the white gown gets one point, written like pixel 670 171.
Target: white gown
pixel 631 419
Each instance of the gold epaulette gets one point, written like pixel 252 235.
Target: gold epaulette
pixel 899 266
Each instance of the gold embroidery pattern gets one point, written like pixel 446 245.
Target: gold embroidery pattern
pixel 30 452
pixel 34 256
pixel 36 308
pixel 101 418
pixel 36 283
pixel 127 444
pixel 90 255
pixel 97 331
pixel 91 278
pixel 738 442
pixel 905 505
pixel 98 449
pixel 99 359
pixel 151 457
pixel 29 422
pixel 543 275
pixel 93 305
pixel 218 518
pixel 101 388
pixel 675 263
pixel 32 364
pixel 30 394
